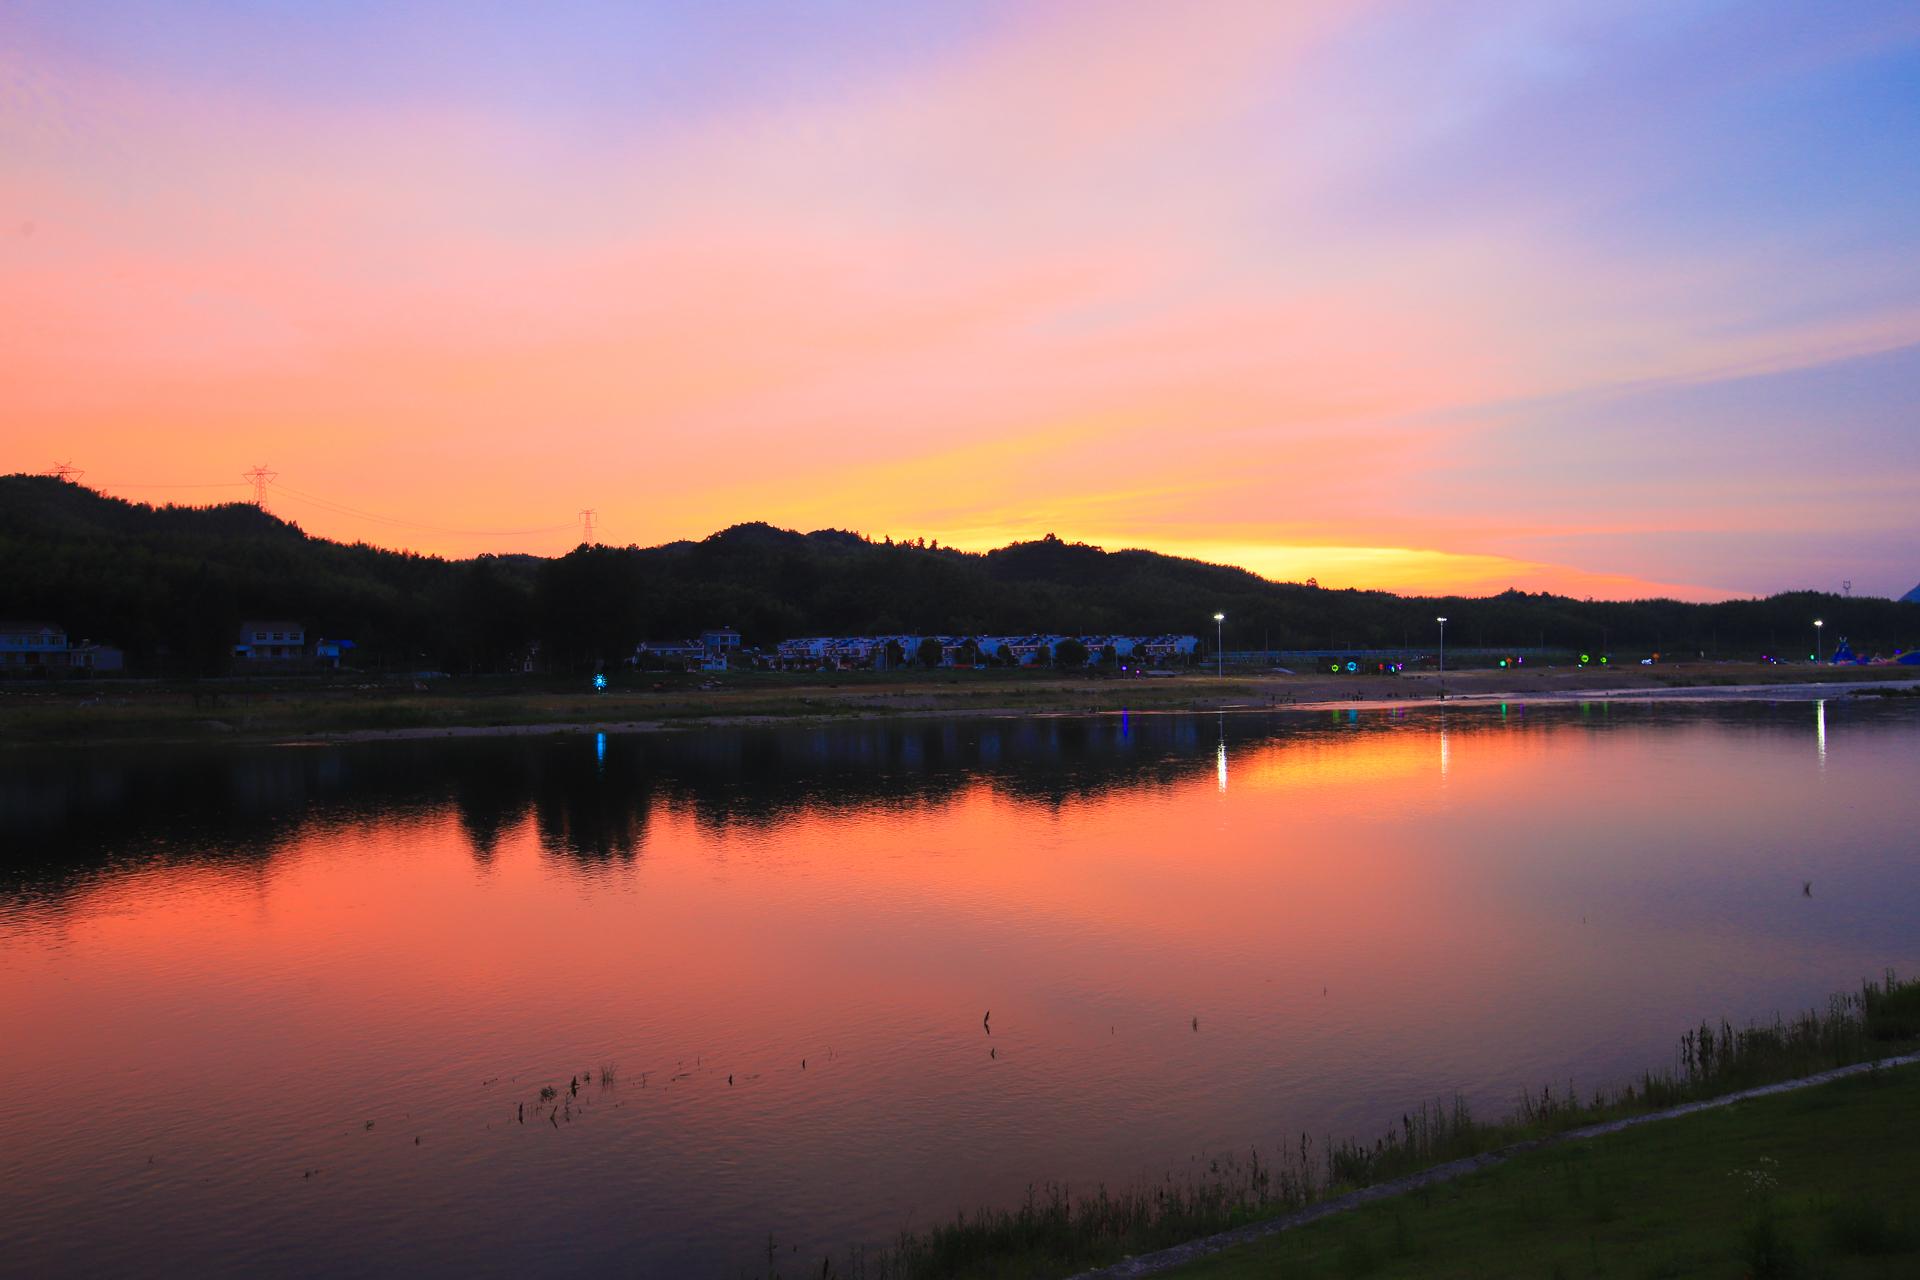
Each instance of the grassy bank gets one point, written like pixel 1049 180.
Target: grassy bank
pixel 91 712
pixel 1058 1232
pixel 1820 1182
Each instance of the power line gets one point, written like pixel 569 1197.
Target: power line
pixel 103 485
pixel 65 471
pixel 260 478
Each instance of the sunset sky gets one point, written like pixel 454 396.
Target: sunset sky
pixel 1612 299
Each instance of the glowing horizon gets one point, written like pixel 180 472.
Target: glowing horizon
pixel 1620 303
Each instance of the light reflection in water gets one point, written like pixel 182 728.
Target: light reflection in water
pixel 230 961
pixel 1820 730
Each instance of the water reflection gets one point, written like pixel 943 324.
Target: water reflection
pixel 231 960
pixel 70 814
pixel 590 795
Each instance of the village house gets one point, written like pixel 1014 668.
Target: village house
pixel 88 656
pixel 668 655
pixel 270 641
pixel 1165 649
pixel 842 653
pixel 32 646
pixel 331 653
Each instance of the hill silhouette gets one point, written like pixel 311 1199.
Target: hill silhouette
pixel 171 585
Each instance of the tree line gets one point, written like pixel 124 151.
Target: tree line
pixel 171 585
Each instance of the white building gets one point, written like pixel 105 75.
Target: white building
pixel 270 641
pixel 32 646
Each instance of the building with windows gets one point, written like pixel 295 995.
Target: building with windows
pixel 32 646
pixel 842 653
pixel 269 641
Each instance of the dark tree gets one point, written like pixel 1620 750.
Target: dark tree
pixel 171 585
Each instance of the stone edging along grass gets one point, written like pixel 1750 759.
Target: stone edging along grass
pixel 1148 1264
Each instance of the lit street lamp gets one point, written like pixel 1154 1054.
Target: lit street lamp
pixel 1219 656
pixel 1817 650
pixel 1443 656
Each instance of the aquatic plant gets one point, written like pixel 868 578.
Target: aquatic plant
pixel 1055 1231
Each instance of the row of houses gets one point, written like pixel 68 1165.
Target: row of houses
pixel 715 650
pixel 33 648
pixel 278 643
pixel 718 649
pixel 30 648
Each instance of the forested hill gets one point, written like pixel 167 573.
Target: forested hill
pixel 171 585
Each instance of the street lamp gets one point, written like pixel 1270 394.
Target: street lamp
pixel 1219 656
pixel 1817 650
pixel 1443 656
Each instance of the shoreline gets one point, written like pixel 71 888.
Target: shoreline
pixel 1790 692
pixel 1175 1257
pixel 313 715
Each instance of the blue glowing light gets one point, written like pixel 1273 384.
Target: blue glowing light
pixel 599 682
pixel 1353 666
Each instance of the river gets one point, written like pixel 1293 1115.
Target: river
pixel 291 1009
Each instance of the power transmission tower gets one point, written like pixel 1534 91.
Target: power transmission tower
pixel 260 478
pixel 586 525
pixel 66 471
pixel 1846 587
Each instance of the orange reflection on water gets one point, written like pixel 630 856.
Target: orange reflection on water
pixel 1349 926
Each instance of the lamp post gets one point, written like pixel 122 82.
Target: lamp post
pixel 1219 655
pixel 1818 651
pixel 1443 656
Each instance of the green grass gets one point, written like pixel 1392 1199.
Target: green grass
pixel 1714 1060
pixel 1824 1182
pixel 1057 1232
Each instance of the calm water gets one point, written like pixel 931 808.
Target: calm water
pixel 280 1008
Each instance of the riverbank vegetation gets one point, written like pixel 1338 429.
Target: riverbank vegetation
pixel 1058 1231
pixel 1815 1183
